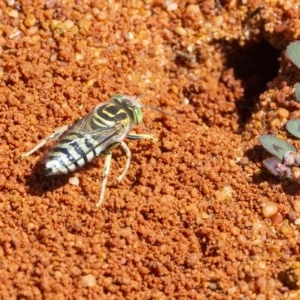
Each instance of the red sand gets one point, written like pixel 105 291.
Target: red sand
pixel 192 219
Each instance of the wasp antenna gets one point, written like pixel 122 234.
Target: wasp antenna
pixel 140 96
pixel 157 109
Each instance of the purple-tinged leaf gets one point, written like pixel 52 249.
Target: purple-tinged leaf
pixel 297 160
pixel 276 146
pixel 293 53
pixel 276 168
pixel 293 127
pixel 297 91
pixel 291 158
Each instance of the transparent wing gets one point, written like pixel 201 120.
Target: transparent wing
pixel 96 130
pixel 83 128
pixel 101 135
pixel 83 124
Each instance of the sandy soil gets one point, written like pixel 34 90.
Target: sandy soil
pixel 196 217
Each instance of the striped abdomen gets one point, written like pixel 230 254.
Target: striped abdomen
pixel 74 150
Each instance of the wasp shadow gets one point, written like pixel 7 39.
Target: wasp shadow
pixel 39 183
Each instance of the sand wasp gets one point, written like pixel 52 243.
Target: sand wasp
pixel 101 130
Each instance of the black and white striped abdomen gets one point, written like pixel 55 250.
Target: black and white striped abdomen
pixel 73 151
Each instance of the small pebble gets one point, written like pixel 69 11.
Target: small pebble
pixel 89 280
pixel 68 24
pixel 297 221
pixel 193 11
pixel 192 259
pixel 180 31
pixel 171 5
pixel 74 180
pixel 213 286
pixel 186 101
pixel 261 284
pixel 296 205
pixel 269 209
pixel 275 124
pixel 30 20
pixel 226 193
pixel 277 218
pixel 283 113
pixel 13 13
pixel 15 33
pixel 292 216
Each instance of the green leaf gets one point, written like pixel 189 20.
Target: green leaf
pixel 293 127
pixel 276 146
pixel 293 53
pixel 297 91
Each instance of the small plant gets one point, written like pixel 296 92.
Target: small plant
pixel 297 91
pixel 285 162
pixel 293 127
pixel 293 54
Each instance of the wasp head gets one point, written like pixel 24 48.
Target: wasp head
pixel 131 105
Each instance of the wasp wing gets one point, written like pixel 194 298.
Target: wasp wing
pixel 98 126
pixel 101 137
pixel 84 124
pixel 74 149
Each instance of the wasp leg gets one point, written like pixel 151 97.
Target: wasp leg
pixel 55 135
pixel 128 155
pixel 105 173
pixel 134 136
